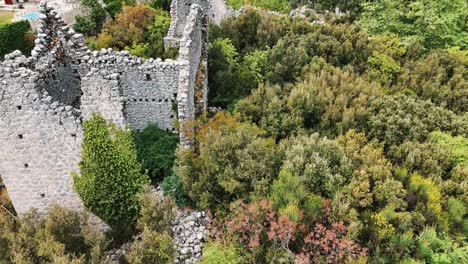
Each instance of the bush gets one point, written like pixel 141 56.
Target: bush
pixel 111 177
pixel 215 253
pixel 172 186
pixel 152 247
pixel 399 118
pixel 12 37
pixel 156 150
pixel 458 146
pixel 156 213
pixel 319 162
pixel 62 236
pixel 231 160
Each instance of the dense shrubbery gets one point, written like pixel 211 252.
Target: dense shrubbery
pixel 13 37
pixel 156 150
pixel 63 236
pixel 369 134
pixel 344 144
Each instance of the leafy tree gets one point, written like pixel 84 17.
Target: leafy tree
pixel 111 177
pixel 428 158
pixel 161 4
pixel 319 162
pixel 399 118
pixel 156 150
pixel 458 146
pixel 384 63
pixel 228 79
pixel 129 26
pixel 439 76
pixel 434 23
pixel 372 184
pixel 91 24
pixel 13 37
pixel 231 160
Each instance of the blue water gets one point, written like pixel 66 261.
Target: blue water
pixel 31 16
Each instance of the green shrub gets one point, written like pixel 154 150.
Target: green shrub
pixel 458 146
pixel 12 37
pixel 61 236
pixel 231 160
pixel 152 247
pixel 319 162
pixel 156 213
pixel 172 186
pixel 215 253
pixel 110 177
pixel 399 118
pixel 156 150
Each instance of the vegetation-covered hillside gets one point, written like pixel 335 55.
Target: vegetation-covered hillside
pixel 338 138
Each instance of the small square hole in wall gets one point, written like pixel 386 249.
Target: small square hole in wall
pixel 73 135
pixel 42 195
pixel 166 100
pixel 147 100
pixel 20 136
pixel 154 100
pixel 173 129
pixel 134 100
pixel 160 100
pixel 18 107
pixel 148 77
pixel 175 95
pixel 26 165
pixel 141 100
pixel 172 116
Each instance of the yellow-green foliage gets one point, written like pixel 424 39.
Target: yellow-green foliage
pixel 153 247
pixel 215 253
pixel 458 146
pixel 428 192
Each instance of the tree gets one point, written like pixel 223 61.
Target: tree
pixel 130 26
pixel 12 37
pixel 111 177
pixel 398 118
pixel 434 23
pixel 161 4
pixel 91 24
pixel 228 80
pixel 231 160
pixel 438 76
pixel 319 162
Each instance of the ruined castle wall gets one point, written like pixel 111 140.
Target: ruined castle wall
pixel 150 93
pixel 190 57
pixel 44 98
pixel 39 141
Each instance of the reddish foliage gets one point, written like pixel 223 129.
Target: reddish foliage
pixel 326 242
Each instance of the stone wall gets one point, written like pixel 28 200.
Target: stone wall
pixel 44 98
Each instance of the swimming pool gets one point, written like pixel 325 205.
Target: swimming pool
pixel 31 16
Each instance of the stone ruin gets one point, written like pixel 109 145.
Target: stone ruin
pixel 45 97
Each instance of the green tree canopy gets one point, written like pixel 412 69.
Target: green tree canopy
pixel 110 178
